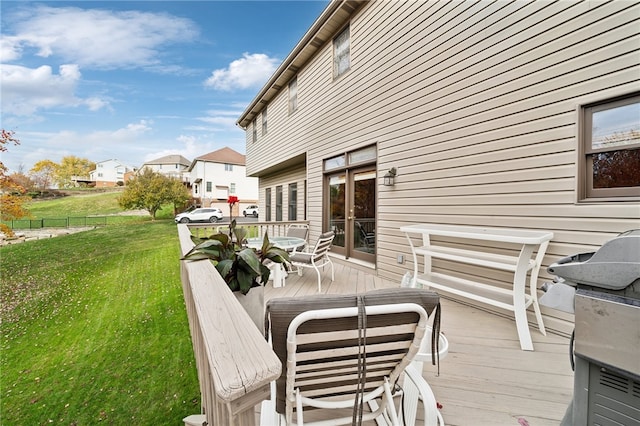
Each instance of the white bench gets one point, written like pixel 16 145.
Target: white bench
pixel 516 299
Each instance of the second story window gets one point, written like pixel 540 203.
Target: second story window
pixel 293 95
pixel 341 53
pixel 255 129
pixel 264 121
pixel 228 167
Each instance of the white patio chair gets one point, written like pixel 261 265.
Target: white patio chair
pixel 344 353
pixel 412 393
pixel 298 230
pixel 316 258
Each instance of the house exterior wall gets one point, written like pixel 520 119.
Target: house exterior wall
pixel 108 173
pixel 176 171
pixel 476 106
pixel 221 183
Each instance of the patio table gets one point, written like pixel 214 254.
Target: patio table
pixel 278 273
pixel 285 243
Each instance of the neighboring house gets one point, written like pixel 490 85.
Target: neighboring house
pixel 173 166
pixel 111 173
pixel 492 114
pixel 218 174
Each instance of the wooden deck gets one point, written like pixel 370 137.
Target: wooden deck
pixel 486 379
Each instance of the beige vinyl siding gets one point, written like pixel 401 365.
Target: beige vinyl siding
pixel 475 104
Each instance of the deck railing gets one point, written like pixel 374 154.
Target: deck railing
pixel 235 363
pixel 255 229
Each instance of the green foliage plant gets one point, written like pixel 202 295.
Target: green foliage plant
pixel 71 166
pixel 150 191
pixel 241 267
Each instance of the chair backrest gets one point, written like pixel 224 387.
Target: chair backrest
pixel 323 244
pixel 299 231
pixel 365 237
pixel 322 356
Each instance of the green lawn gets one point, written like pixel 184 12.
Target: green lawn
pixel 83 204
pixel 94 330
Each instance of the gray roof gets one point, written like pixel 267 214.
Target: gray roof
pixel 170 159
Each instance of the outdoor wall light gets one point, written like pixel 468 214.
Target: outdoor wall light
pixel 390 177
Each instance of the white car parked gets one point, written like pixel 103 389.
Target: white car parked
pixel 209 214
pixel 250 211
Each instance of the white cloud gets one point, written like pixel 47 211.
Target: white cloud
pixel 187 146
pixel 133 129
pixel 252 70
pixel 224 119
pixel 10 49
pixel 128 135
pixel 95 104
pixel 128 144
pixel 26 90
pixel 96 38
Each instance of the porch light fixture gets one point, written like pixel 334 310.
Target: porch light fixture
pixel 390 177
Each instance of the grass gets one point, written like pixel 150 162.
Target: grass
pixel 83 204
pixel 83 208
pixel 94 329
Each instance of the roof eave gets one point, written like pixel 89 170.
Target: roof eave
pixel 335 15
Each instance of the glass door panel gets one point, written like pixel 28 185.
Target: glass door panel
pixel 337 210
pixel 362 212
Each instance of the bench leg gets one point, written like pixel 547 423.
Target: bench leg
pixel 533 287
pixel 536 308
pixel 519 302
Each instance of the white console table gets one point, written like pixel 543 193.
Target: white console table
pixel 516 299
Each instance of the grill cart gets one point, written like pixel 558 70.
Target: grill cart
pixel 606 343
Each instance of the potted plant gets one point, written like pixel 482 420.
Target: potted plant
pixel 243 268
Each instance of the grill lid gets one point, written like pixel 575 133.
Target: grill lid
pixel 615 266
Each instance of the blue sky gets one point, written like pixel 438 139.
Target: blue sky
pixel 135 81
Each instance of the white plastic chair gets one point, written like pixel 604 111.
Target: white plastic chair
pixel 316 258
pixel 412 392
pixel 298 230
pixel 349 356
